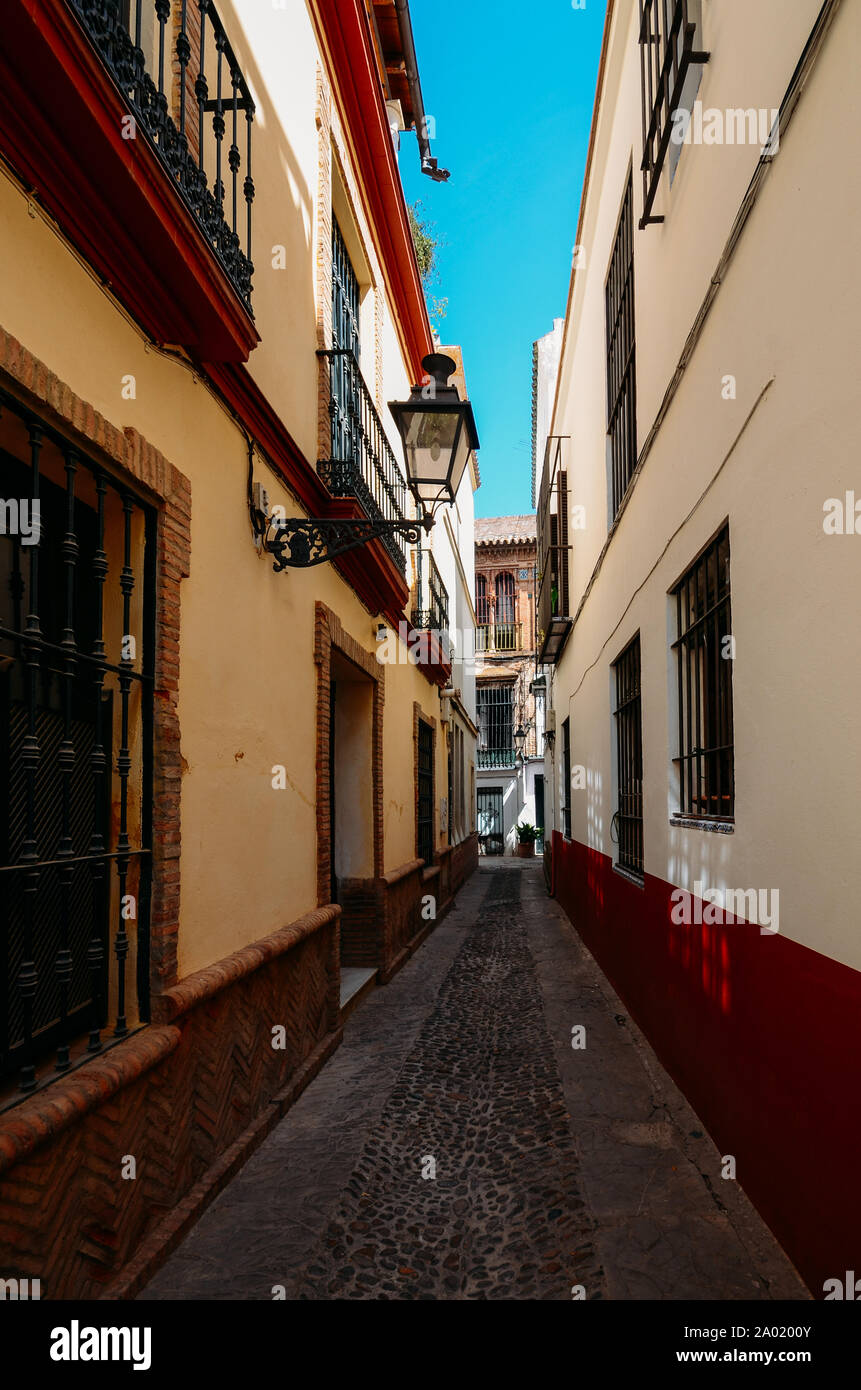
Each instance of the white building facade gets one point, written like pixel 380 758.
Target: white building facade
pixel 696 558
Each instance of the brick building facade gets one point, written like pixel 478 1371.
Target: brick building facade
pixel 509 760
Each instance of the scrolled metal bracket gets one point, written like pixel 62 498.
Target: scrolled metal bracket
pixel 299 543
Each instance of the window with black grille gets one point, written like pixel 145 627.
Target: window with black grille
pixel 482 606
pixel 76 690
pixel 507 631
pixel 344 405
pixel 621 364
pixel 704 659
pixel 495 725
pixel 629 759
pixel 505 597
pixel 671 54
pixel 424 793
pixel 566 779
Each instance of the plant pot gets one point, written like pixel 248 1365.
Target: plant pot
pixel 526 849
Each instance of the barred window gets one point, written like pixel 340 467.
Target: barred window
pixel 629 759
pixel 671 56
pixel 496 725
pixel 482 607
pixel 505 598
pixel 424 794
pixel 565 803
pixel 704 658
pixel 621 366
pixel 77 600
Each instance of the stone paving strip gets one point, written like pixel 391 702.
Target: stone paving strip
pixel 457 1147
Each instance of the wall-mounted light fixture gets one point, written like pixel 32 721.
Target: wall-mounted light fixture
pixel 438 433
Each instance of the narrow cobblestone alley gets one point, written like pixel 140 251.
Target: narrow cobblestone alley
pixel 458 1147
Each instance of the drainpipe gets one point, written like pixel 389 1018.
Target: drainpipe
pixel 405 25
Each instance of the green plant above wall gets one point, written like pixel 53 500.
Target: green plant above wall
pixel 427 246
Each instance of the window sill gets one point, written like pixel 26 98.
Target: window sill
pixel 718 827
pixel 638 880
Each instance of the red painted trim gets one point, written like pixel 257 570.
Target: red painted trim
pixel 370 571
pixel 61 129
pixel 347 35
pixel 763 1036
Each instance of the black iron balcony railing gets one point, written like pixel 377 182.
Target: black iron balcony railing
pixel 668 32
pixel 553 602
pixel 496 757
pixel 362 464
pixel 431 612
pixel 187 113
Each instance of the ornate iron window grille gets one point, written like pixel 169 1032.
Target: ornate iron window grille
pixel 629 758
pixel 495 707
pixel 667 51
pixel 363 464
pixel 621 364
pixel 183 145
pixel 704 667
pixel 73 696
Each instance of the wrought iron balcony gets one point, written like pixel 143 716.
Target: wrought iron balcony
pixel 431 611
pixel 508 637
pixel 496 757
pixel 187 111
pixel 499 637
pixel 362 463
pixel 553 602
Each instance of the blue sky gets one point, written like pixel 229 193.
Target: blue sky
pixel 511 89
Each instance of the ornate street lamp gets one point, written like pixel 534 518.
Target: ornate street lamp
pixel 519 740
pixel 438 433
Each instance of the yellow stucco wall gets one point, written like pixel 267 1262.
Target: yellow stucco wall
pixel 247 687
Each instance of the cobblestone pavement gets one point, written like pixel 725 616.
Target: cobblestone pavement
pixel 479 1106
pixel 457 1147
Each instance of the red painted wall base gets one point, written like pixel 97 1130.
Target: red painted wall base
pixel 763 1036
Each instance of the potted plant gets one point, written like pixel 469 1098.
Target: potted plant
pixel 526 836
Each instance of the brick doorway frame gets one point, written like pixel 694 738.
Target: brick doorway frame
pixel 328 634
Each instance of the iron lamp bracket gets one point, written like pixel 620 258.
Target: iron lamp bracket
pixel 300 542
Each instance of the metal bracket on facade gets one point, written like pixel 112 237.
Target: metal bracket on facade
pixel 299 543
